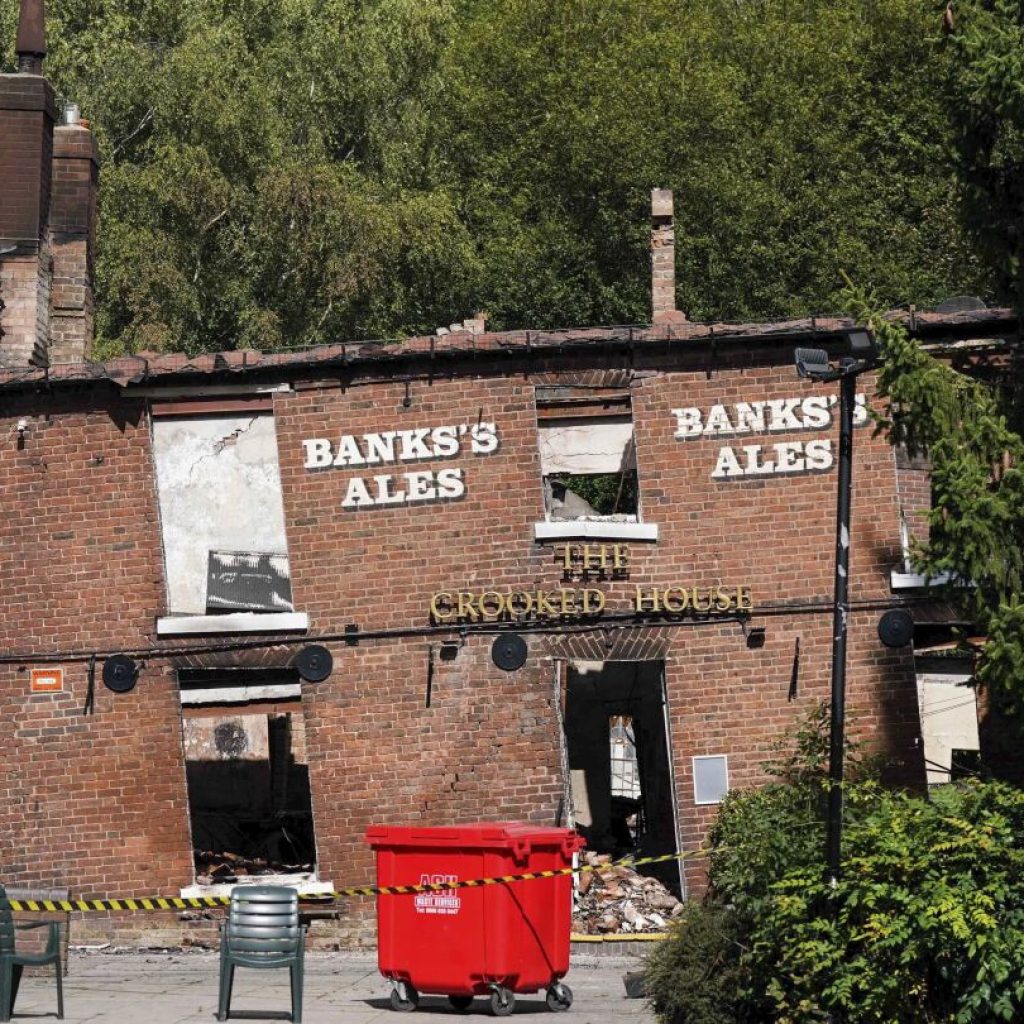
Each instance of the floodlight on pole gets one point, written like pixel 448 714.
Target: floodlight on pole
pixel 813 363
pixel 861 355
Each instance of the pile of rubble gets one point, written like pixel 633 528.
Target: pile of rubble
pixel 620 900
pixel 213 868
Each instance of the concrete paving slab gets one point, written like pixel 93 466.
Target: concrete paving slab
pixel 340 988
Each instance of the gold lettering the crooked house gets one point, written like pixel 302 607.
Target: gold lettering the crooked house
pixel 517 605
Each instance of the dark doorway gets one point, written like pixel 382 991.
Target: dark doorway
pixel 619 763
pixel 248 778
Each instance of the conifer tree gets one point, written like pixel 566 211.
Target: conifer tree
pixel 970 429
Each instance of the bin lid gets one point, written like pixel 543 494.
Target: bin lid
pixel 481 834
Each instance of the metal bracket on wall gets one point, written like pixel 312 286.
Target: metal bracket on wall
pixel 90 693
pixel 430 674
pixel 794 678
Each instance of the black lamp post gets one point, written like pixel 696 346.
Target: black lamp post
pixel 814 363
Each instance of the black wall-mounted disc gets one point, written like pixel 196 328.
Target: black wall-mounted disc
pixel 120 673
pixel 896 628
pixel 509 652
pixel 313 663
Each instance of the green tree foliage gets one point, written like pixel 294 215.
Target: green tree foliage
pixel 801 138
pixel 925 926
pixel 271 170
pixel 279 173
pixel 970 429
pixel 976 525
pixel 987 109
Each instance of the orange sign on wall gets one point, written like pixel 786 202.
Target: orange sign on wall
pixel 47 680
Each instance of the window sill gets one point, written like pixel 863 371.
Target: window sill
pixel 915 581
pixel 595 529
pixel 301 880
pixel 235 622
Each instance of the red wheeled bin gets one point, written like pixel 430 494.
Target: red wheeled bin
pixel 489 940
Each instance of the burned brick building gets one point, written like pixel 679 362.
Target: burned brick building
pixel 255 603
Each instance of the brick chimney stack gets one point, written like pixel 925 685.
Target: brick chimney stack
pixel 47 214
pixel 76 173
pixel 663 260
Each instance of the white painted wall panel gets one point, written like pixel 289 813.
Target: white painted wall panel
pixel 949 720
pixel 585 446
pixel 219 489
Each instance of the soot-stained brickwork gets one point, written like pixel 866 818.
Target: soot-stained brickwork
pixel 411 490
pixel 490 739
pixel 91 800
pixel 399 734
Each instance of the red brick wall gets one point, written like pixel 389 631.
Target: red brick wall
pixel 377 568
pixel 26 128
pixel 95 802
pixel 914 481
pixel 73 229
pixel 25 289
pixel 488 745
pixel 727 699
pixel 485 749
pixel 103 796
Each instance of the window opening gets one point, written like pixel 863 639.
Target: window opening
pixel 587 454
pixel 965 764
pixel 247 773
pixel 625 769
pixel 949 711
pixel 627 807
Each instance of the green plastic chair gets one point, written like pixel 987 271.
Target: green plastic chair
pixel 12 962
pixel 262 930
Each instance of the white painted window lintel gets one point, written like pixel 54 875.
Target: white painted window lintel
pixel 233 622
pixel 302 881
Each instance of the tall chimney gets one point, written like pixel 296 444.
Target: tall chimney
pixel 76 167
pixel 47 214
pixel 31 42
pixel 27 114
pixel 663 260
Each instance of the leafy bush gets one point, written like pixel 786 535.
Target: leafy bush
pixel 695 976
pixel 925 926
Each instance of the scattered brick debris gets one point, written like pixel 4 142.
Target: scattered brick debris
pixel 620 900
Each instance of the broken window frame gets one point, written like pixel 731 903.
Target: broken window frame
pixel 576 408
pixel 622 743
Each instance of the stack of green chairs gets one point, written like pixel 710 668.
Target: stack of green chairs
pixel 262 930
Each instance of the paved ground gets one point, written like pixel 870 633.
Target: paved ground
pixel 341 988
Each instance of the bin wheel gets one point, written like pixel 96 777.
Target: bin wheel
pixel 503 1002
pixel 559 997
pixel 404 997
pixel 461 1002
